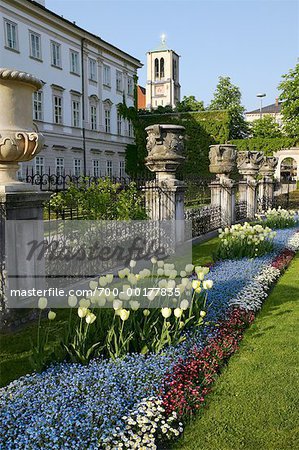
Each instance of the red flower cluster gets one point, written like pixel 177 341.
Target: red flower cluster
pixel 282 261
pixel 184 390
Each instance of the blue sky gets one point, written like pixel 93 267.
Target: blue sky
pixel 252 41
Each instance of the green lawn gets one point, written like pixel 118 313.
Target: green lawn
pixel 203 253
pixel 255 402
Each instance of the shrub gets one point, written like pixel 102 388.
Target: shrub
pixel 277 218
pixel 241 241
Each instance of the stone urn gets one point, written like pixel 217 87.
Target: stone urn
pixel 222 159
pixel 165 146
pixel 268 166
pixel 19 137
pixel 249 163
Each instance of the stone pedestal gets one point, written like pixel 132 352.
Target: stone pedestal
pixel 266 184
pixel 21 204
pixel 165 195
pixel 222 162
pixel 248 165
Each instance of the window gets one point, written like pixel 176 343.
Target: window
pixel 107 121
pixel 74 57
pixel 55 54
pixel 20 175
pixel 11 35
pixel 130 86
pixel 107 76
pixel 162 68
pixel 121 168
pixel 119 81
pixel 59 166
pixel 109 168
pixel 119 124
pixel 93 117
pixel 38 105
pixel 75 113
pixel 39 165
pixel 35 45
pixel 96 168
pixel 57 109
pixel 156 68
pixel 130 129
pixel 92 69
pixel 77 167
pixel 174 69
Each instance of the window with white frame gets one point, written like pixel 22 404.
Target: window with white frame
pixel 96 168
pixel 130 86
pixel 121 168
pixel 59 166
pixel 109 168
pixel 107 75
pixel 76 112
pixel 35 45
pixel 11 35
pixel 92 69
pixel 55 54
pixel 38 105
pixel 93 117
pixel 107 120
pixel 119 124
pixel 57 101
pixel 119 81
pixel 74 62
pixel 130 129
pixel 77 167
pixel 39 165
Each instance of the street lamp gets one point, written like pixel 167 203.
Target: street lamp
pixel 260 96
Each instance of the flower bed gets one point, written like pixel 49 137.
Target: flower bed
pixel 89 407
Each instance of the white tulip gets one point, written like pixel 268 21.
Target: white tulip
pixel 72 301
pixel 184 304
pixel 178 312
pixel 166 312
pixel 42 302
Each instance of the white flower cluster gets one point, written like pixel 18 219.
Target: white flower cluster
pixel 252 234
pixel 250 298
pixel 274 213
pixel 144 426
pixel 267 276
pixel 293 243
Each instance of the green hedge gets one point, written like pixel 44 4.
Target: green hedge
pixel 266 145
pixel 202 129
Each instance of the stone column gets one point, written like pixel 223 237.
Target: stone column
pixel 19 141
pixel 266 184
pixel 222 162
pixel 248 165
pixel 165 195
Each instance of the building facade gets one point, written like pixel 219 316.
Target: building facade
pixel 273 110
pixel 163 87
pixel 84 77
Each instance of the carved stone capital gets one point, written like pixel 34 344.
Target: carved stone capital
pixel 248 163
pixel 268 166
pixel 165 145
pixel 222 158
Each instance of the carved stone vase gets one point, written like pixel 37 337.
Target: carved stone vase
pixel 165 145
pixel 19 137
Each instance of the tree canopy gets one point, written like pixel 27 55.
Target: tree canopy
pixel 190 104
pixel 266 127
pixel 228 96
pixel 289 96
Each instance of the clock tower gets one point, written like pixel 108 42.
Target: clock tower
pixel 163 87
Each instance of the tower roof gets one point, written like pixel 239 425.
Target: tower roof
pixel 162 47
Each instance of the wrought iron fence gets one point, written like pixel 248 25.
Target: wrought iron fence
pixel 241 210
pixel 61 182
pixel 2 254
pixel 198 191
pixel 204 219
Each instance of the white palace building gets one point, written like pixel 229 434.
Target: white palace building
pixel 84 77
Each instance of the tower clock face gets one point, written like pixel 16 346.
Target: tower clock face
pixel 160 90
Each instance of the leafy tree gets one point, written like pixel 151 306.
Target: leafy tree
pixel 290 98
pixel 228 96
pixel 190 104
pixel 266 127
